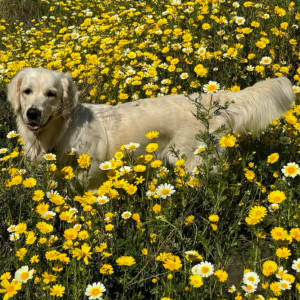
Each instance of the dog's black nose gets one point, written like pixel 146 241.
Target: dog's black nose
pixel 33 114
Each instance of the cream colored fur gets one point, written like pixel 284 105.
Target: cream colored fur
pixel 100 130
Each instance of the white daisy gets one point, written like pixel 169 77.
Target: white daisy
pixel 200 149
pixel 73 210
pixel 251 276
pixel 77 227
pixel 49 156
pixel 132 146
pixel 285 285
pixel 12 228
pixel 235 4
pixel 249 287
pixel 211 87
pixel 295 88
pixel 281 272
pixel 3 150
pixel 273 207
pixel 51 194
pixel 149 193
pixel 75 35
pixel 165 190
pixel 266 16
pixel 204 269
pixel 290 170
pixel 105 165
pixel 250 68
pixel 53 184
pixel 296 265
pixel 12 134
pixel 102 200
pixel 23 274
pixel 201 51
pixel 95 290
pixel 240 20
pixel 284 140
pixel 184 75
pixel 126 215
pixel 260 297
pixel 232 289
pixel 125 170
pixel 14 236
pixel 48 215
pixel 266 60
pixel 22 171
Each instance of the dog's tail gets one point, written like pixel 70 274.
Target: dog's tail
pixel 253 108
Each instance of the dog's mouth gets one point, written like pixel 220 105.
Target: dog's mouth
pixel 35 126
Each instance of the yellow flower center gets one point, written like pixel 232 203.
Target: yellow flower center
pixel 211 88
pixel 11 288
pixel 249 287
pixel 284 285
pixel 251 278
pixel 291 170
pixel 165 191
pixel 95 291
pixel 205 270
pixel 24 275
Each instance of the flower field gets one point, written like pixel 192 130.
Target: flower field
pixel 151 232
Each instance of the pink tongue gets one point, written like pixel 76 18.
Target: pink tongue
pixel 33 127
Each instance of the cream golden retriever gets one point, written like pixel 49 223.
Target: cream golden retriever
pixel 50 118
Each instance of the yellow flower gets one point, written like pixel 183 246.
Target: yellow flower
pixel 172 263
pixel 106 269
pixel 119 155
pixel 278 233
pixel 144 251
pixel 57 290
pixel 109 227
pixel 152 135
pixel 125 261
pixel 156 208
pixel 83 253
pixel 283 252
pixel 70 234
pixel 269 267
pixel 196 280
pixel 84 161
pixel 276 197
pixel 189 220
pixel 227 141
pixel 38 195
pixel 213 218
pixel 257 212
pixel 21 253
pixel 48 277
pixel 29 182
pixel 152 147
pixel 273 158
pixel 221 275
pixel 68 172
pixel 21 228
pixel 10 288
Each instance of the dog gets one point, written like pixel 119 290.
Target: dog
pixel 51 119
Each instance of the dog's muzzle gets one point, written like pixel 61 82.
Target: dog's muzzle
pixel 34 119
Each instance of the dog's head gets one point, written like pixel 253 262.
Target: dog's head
pixel 38 95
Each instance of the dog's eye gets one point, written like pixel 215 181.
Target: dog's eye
pixel 51 94
pixel 27 91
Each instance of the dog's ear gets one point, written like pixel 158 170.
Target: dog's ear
pixel 13 92
pixel 70 95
